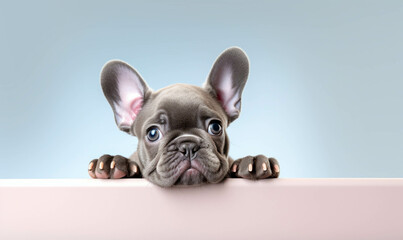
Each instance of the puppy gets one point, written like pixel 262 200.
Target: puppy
pixel 181 129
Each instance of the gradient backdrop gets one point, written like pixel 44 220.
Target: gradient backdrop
pixel 324 96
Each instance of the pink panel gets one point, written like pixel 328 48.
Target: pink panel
pixel 236 209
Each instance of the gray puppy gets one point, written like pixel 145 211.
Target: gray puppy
pixel 181 129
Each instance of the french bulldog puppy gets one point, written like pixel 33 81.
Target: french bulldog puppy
pixel 181 129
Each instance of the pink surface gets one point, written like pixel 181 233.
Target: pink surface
pixel 236 209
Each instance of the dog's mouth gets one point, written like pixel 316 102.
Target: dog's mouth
pixel 178 167
pixel 191 174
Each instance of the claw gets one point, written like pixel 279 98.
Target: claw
pixel 234 168
pixel 276 168
pixel 133 168
pixel 264 166
pixel 101 165
pixel 250 167
pixel 113 164
pixel 90 166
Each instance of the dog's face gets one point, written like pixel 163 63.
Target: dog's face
pixel 181 128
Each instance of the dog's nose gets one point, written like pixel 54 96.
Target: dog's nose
pixel 189 149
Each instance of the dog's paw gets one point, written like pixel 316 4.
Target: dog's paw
pixel 109 166
pixel 257 167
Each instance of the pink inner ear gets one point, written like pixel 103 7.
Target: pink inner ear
pixel 227 95
pixel 126 112
pixel 131 99
pixel 136 106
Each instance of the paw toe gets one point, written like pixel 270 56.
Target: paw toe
pixel 117 173
pixel 102 169
pixel 134 170
pixel 276 168
pixel 91 168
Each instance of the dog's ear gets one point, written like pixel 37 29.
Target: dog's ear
pixel 227 80
pixel 125 91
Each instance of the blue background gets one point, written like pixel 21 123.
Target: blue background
pixel 324 94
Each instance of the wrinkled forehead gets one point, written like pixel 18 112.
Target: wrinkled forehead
pixel 185 106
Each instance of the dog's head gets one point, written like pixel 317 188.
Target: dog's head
pixel 181 129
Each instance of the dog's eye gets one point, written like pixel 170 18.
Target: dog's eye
pixel 214 128
pixel 153 134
